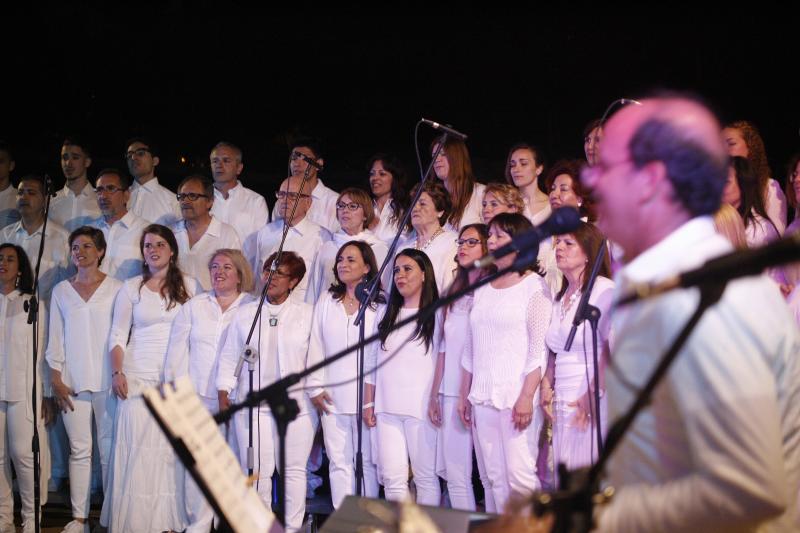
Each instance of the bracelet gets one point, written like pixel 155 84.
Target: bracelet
pixel 368 405
pixel 115 372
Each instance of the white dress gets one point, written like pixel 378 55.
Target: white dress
pixel 571 445
pixel 144 490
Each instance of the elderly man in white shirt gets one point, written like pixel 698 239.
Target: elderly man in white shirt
pixel 76 204
pixel 121 228
pixel 718 448
pixel 304 236
pixel 8 194
pixel 235 204
pixel 199 234
pixel 149 199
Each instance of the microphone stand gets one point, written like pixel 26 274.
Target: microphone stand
pixel 32 307
pixel 283 409
pixel 366 294
pixel 587 311
pixel 573 502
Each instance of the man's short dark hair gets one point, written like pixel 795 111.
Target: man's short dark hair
pixel 80 143
pixel 312 143
pixel 124 180
pixel 207 184
pixel 38 178
pixel 145 141
pixel 697 175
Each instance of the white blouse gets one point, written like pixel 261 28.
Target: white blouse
pixel 456 323
pixel 16 347
pixel 403 382
pixel 198 333
pixel 142 315
pixel 78 335
pixel 503 344
pixel 442 253
pixel 322 272
pixel 473 211
pixel 282 348
pixel 333 331
pixel 387 228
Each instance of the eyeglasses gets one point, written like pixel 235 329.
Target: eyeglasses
pixel 278 274
pixel 471 243
pixel 280 195
pixel 352 206
pixel 139 152
pixel 108 189
pixel 298 155
pixel 191 196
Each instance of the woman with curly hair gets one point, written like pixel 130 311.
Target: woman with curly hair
pixel 744 140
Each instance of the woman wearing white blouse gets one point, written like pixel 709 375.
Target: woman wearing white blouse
pixel 387 184
pixel 454 168
pixel 197 334
pixel 281 341
pixel 438 243
pixel 454 460
pixel 334 330
pixel 574 434
pixel 354 213
pixel 16 382
pixel 80 370
pixel 143 493
pixel 504 360
pixel 396 393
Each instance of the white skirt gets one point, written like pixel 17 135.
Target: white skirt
pixel 145 487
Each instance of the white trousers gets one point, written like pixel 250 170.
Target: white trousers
pixel 16 435
pixel 341 442
pixel 299 439
pixel 198 510
pixel 509 455
pixel 401 438
pixel 78 424
pixel 59 448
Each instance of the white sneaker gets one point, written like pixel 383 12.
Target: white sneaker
pixel 76 527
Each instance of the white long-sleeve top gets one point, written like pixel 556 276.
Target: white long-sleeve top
pixel 718 447
pixel 403 383
pixel 504 344
pixel 442 253
pixel 331 332
pixel 123 259
pixel 141 326
pixel 472 211
pixel 55 265
pixel 304 238
pixel 290 337
pixel 197 335
pixel 78 335
pixel 244 209
pixel 322 272
pixel 153 201
pixel 74 210
pixel 456 324
pixel 776 206
pixel 16 347
pixel 387 228
pixel 194 260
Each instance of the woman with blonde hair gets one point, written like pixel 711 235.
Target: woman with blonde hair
pixel 730 225
pixel 501 198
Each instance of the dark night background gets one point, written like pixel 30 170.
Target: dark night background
pixel 189 75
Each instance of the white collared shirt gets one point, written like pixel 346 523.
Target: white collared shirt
pixel 74 210
pixel 55 264
pixel 197 335
pixel 123 259
pixel 8 206
pixel 722 425
pixel 387 228
pixel 244 209
pixel 194 261
pixel 304 238
pixel 153 201
pixel 78 335
pixel 16 345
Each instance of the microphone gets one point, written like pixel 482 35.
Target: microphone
pixel 311 161
pixel 48 185
pixel 445 128
pixel 722 269
pixel 562 220
pixel 362 289
pixel 249 356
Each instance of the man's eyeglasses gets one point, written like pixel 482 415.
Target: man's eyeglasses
pixel 352 206
pixel 139 152
pixel 471 243
pixel 191 196
pixel 108 189
pixel 281 195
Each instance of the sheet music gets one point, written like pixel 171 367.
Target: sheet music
pixel 187 420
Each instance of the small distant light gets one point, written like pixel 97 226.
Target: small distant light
pixel 183 160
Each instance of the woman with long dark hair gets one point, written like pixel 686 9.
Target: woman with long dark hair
pixel 574 435
pixel 524 166
pixel 504 361
pixel 742 193
pixel 396 393
pixel 332 331
pixel 143 492
pixel 16 383
pixel 451 416
pixel 77 353
pixel 454 168
pixel 387 185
